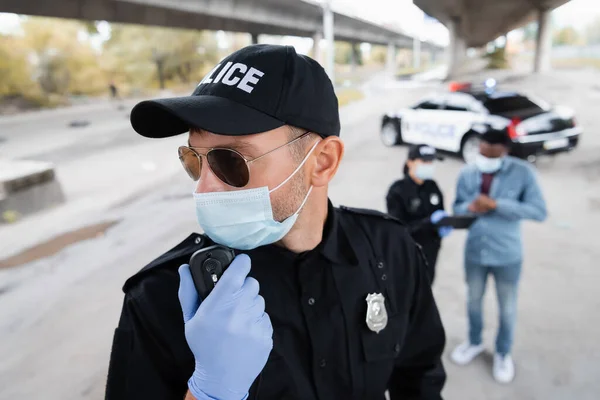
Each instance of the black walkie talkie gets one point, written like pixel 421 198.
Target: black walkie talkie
pixel 207 266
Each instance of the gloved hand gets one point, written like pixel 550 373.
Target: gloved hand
pixel 444 231
pixel 229 333
pixel 437 216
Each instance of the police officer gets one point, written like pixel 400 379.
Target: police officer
pixel 417 201
pixel 320 302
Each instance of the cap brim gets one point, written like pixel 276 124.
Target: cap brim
pixel 169 117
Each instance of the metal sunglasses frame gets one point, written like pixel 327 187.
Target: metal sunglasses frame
pixel 247 161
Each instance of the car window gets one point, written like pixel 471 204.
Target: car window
pixel 458 102
pixel 509 104
pixel 428 105
pixel 449 107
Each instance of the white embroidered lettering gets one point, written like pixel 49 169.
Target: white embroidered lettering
pixel 231 75
pixel 251 77
pixel 222 72
pixel 229 79
pixel 208 78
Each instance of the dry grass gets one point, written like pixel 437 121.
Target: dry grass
pixel 576 63
pixel 348 95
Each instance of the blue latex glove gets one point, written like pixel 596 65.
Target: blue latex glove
pixel 229 333
pixel 444 231
pixel 437 216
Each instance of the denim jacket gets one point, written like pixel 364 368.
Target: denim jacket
pixel 495 237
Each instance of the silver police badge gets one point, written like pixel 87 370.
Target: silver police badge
pixel 377 317
pixel 435 199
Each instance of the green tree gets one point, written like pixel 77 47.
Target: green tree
pixel 144 56
pixel 15 72
pixel 566 36
pixel 343 53
pixel 63 59
pixel 497 58
pixel 379 54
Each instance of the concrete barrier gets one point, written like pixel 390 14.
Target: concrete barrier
pixel 27 187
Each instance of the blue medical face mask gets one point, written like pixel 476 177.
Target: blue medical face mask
pixel 243 219
pixel 488 165
pixel 425 171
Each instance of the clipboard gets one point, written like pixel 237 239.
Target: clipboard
pixel 457 222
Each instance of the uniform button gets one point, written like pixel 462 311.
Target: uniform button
pixel 397 348
pixel 322 363
pixel 383 277
pixel 380 265
pixel 311 301
pixel 198 240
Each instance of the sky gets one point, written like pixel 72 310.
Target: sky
pixel 577 13
pixel 404 15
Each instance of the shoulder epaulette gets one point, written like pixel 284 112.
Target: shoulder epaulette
pixel 370 213
pixel 184 250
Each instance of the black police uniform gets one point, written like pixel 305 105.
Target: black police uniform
pixel 413 204
pixel 323 348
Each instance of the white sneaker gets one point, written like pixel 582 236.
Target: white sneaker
pixel 504 368
pixel 465 353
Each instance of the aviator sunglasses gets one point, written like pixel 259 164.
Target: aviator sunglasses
pixel 229 165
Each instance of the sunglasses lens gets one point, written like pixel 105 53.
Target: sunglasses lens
pixel 192 162
pixel 229 166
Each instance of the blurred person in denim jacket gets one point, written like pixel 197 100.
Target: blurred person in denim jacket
pixel 502 191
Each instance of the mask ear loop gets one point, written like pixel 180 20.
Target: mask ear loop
pixel 296 170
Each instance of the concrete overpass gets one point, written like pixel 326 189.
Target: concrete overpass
pixel 273 17
pixel 473 23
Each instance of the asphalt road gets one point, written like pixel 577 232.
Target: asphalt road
pixel 57 314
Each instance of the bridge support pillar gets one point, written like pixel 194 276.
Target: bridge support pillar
pixel 416 53
pixel 254 38
pixel 543 44
pixel 391 59
pixel 329 40
pixel 457 50
pixel 316 49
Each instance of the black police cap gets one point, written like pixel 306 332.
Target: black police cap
pixel 423 152
pixel 256 89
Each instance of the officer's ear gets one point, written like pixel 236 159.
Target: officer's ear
pixel 328 155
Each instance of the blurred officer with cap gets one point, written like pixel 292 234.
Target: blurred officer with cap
pixel 417 201
pixel 320 302
pixel 502 191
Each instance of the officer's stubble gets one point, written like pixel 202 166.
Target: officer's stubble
pixel 294 191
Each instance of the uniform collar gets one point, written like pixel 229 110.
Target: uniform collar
pixel 411 181
pixel 415 185
pixel 335 245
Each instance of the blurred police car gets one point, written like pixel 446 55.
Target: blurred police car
pixel 452 121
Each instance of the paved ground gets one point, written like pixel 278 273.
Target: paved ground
pixel 57 314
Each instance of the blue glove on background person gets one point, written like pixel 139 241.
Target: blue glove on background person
pixel 436 217
pixel 444 231
pixel 229 333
